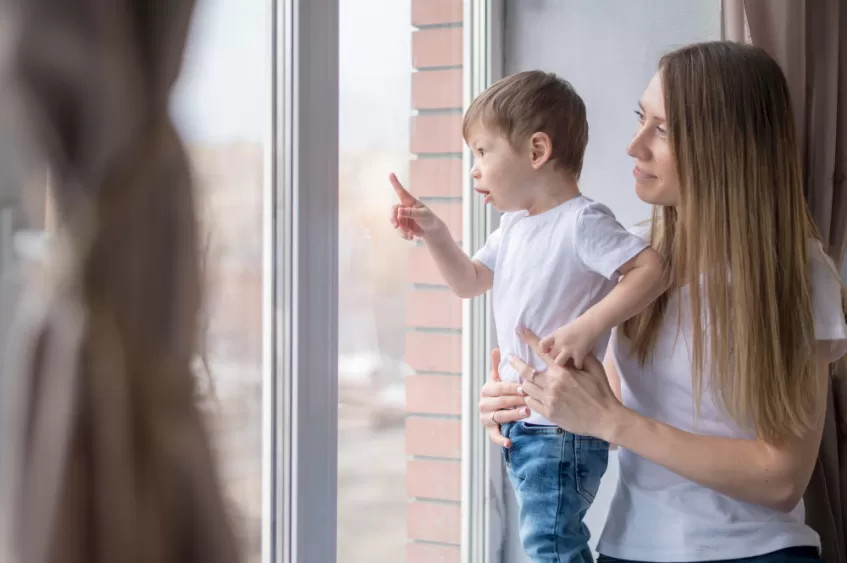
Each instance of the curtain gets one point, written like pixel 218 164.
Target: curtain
pixel 809 40
pixel 105 455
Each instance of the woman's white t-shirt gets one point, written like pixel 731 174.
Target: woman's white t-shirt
pixel 657 515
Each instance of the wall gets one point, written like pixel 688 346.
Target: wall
pixel 609 60
pixel 433 345
pixel 609 50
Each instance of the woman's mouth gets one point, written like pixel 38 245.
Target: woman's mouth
pixel 642 175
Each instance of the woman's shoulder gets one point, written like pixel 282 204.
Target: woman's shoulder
pixel 827 290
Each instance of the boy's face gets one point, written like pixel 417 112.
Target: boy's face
pixel 500 173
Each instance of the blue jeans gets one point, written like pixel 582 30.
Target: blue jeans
pixel 555 475
pixel 790 555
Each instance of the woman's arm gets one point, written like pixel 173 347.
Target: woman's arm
pixel 582 402
pixel 612 374
pixel 614 382
pixel 771 475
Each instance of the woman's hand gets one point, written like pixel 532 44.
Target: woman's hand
pixel 579 401
pixel 500 403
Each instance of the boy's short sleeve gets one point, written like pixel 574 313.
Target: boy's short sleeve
pixel 602 243
pixel 487 255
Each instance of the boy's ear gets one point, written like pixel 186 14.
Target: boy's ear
pixel 541 148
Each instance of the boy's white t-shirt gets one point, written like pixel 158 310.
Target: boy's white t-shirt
pixel 549 269
pixel 657 515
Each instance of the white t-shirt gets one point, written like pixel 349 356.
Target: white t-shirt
pixel 657 515
pixel 549 269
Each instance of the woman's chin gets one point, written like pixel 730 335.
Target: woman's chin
pixel 648 194
pixel 656 193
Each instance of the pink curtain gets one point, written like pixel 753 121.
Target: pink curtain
pixel 809 40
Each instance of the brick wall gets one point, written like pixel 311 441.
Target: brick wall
pixel 434 315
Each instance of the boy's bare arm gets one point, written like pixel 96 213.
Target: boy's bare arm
pixel 643 281
pixel 413 219
pixel 466 277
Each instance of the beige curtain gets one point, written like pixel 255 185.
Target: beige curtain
pixel 105 456
pixel 809 40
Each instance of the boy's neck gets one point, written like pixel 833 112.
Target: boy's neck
pixel 552 191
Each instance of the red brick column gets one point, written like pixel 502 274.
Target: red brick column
pixel 434 315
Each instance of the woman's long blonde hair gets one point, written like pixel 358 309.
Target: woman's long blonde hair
pixel 738 239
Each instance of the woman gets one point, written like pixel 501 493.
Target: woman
pixel 716 393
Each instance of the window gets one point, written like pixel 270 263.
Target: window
pixel 293 112
pixel 400 328
pixel 218 106
pixel 393 403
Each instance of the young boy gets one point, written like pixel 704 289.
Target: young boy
pixel 560 265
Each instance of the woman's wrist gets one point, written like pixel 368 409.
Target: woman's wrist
pixel 620 420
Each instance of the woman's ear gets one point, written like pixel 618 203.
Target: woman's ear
pixel 541 147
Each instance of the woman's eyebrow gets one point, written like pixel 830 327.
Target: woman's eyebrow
pixel 652 114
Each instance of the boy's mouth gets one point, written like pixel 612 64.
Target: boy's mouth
pixel 486 193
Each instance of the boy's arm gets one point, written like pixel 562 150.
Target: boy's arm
pixel 642 282
pixel 605 247
pixel 412 218
pixel 466 277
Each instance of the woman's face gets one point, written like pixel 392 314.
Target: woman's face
pixel 656 178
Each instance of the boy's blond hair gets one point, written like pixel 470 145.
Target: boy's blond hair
pixel 530 102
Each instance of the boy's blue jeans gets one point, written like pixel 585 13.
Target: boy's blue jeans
pixel 555 475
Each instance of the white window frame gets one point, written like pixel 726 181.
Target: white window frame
pixel 482 470
pixel 300 319
pixel 301 285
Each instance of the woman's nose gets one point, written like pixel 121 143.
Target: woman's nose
pixel 638 147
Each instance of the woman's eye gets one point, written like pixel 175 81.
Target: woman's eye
pixel 642 119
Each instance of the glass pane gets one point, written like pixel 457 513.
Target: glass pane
pixel 400 329
pixel 219 106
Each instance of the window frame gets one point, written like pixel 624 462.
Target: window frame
pixel 482 471
pixel 300 313
pixel 300 290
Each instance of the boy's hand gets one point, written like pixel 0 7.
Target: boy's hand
pixel 571 342
pixel 411 218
